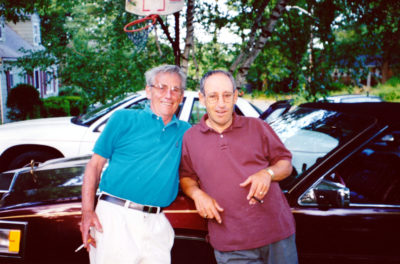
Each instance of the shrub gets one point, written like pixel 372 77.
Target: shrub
pixel 24 103
pixel 390 91
pixel 63 106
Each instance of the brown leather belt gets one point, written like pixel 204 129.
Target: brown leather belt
pixel 130 205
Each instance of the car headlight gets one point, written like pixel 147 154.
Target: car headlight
pixel 10 240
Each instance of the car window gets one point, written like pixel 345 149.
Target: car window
pixel 373 174
pixel 98 111
pixel 5 181
pixel 311 134
pixel 139 104
pixel 198 110
pixel 46 185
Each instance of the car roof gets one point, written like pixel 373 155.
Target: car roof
pixel 384 111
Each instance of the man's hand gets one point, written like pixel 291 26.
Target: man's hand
pixel 206 206
pixel 91 181
pixel 89 220
pixel 259 186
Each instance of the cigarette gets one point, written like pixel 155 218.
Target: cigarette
pixel 258 200
pixel 81 246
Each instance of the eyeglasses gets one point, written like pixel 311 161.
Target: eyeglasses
pixel 163 88
pixel 213 98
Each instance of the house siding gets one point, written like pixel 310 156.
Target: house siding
pixel 24 35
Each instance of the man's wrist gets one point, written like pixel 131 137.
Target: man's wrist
pixel 271 173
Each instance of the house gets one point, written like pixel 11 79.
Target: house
pixel 14 38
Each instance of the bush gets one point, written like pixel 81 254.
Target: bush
pixel 63 106
pixel 390 91
pixel 24 103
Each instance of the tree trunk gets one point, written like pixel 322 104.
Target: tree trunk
pixel 248 56
pixel 189 44
pixel 250 42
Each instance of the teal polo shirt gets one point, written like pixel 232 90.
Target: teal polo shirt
pixel 144 156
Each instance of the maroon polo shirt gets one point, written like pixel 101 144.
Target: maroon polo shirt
pixel 220 162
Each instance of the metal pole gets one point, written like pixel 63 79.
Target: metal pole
pixel 1 92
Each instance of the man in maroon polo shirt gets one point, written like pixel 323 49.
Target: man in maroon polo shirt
pixel 230 167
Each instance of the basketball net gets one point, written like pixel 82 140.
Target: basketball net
pixel 138 31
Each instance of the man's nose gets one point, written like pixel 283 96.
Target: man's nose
pixel 221 101
pixel 168 93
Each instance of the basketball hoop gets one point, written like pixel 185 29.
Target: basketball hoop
pixel 138 30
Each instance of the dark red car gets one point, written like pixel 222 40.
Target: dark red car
pixel 344 194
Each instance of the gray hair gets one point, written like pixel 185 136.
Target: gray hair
pixel 152 73
pixel 210 73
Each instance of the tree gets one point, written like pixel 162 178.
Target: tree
pixel 377 22
pixel 24 103
pixel 256 43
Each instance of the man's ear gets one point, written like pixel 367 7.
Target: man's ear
pixel 202 98
pixel 148 92
pixel 235 96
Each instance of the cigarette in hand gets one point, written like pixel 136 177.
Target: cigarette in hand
pixel 81 246
pixel 258 200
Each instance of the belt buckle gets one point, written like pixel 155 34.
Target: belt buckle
pixel 151 209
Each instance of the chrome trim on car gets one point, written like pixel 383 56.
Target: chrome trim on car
pixel 190 238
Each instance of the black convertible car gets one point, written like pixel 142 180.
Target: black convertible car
pixel 344 193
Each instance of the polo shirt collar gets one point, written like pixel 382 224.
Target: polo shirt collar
pixel 174 120
pixel 236 123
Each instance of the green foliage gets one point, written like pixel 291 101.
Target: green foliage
pixel 390 91
pixel 24 103
pixel 16 10
pixel 63 106
pixel 98 60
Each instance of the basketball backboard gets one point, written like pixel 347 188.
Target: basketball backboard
pixel 149 7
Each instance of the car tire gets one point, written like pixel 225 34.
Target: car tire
pixel 25 158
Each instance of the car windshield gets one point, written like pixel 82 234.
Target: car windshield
pixel 61 184
pixel 310 134
pixel 99 110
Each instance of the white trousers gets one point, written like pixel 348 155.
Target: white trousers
pixel 131 236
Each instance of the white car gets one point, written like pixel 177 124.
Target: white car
pixel 47 138
pixel 351 98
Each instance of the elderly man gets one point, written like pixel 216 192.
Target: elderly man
pixel 230 167
pixel 143 149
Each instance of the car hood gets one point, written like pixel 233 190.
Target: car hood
pixel 46 129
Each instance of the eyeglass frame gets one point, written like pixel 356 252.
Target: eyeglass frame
pixel 227 97
pixel 163 88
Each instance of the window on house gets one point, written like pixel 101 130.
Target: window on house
pixel 49 78
pixel 37 81
pixel 9 80
pixel 36 35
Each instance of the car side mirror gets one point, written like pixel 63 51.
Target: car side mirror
pixel 326 194
pixel 330 194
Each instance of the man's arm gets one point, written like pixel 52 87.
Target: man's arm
pixel 206 206
pixel 90 184
pixel 261 181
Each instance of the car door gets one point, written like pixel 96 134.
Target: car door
pixel 366 228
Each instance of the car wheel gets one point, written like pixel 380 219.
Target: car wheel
pixel 24 159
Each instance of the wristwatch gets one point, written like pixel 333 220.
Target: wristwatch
pixel 270 172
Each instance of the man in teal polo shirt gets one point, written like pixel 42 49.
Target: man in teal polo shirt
pixel 143 149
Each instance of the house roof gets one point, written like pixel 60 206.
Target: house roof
pixel 9 48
